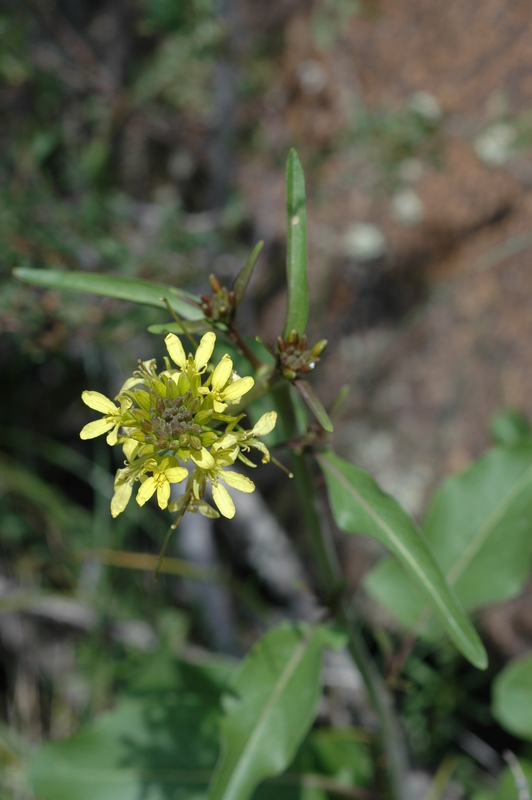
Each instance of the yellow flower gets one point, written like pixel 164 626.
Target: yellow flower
pixel 223 389
pixel 199 362
pixel 212 469
pixel 243 440
pixel 113 419
pixel 164 473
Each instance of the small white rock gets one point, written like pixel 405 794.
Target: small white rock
pixel 312 76
pixel 494 146
pixel 425 105
pixel 407 207
pixel 364 241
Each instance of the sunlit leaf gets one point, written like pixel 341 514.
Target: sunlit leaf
pixel 479 526
pixel 270 706
pixel 296 256
pixel 360 506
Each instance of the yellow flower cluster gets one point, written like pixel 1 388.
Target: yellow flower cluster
pixel 172 426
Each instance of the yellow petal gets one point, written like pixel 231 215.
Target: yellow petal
pixel 112 436
pixel 175 348
pixel 204 351
pixel 176 474
pixel 223 500
pixel 120 498
pixel 265 424
pixel 238 481
pixel 219 407
pixel 163 494
pixel 238 388
pixel 130 449
pixel 146 491
pixel 96 428
pixel 203 460
pixel 222 373
pixel 99 402
pixel 263 449
pixel 207 510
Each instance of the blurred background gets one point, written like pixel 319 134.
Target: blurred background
pixel 148 138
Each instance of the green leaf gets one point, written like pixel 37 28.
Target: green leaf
pixel 480 528
pixel 510 427
pixel 244 276
pixel 155 747
pixel 360 506
pixel 193 326
pixel 508 788
pixel 512 697
pixel 296 256
pixel 314 403
pixel 131 289
pixel 271 705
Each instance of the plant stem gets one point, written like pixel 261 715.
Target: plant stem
pixel 331 583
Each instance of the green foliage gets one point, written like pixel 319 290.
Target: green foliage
pixel 135 291
pixel 296 252
pixel 479 527
pixel 360 506
pixel 512 697
pixel 508 787
pixel 270 706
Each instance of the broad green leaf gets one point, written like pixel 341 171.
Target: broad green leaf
pixel 244 276
pixel 131 289
pixel 512 697
pixel 360 506
pixel 296 255
pixel 270 707
pixel 314 403
pixel 480 528
pixel 155 747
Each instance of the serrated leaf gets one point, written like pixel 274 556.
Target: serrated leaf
pixel 480 528
pixel 243 278
pixel 360 506
pixel 159 746
pixel 131 289
pixel 512 697
pixel 271 705
pixel 296 255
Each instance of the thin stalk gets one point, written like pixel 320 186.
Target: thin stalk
pixel 331 584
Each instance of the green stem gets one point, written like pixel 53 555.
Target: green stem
pixel 331 584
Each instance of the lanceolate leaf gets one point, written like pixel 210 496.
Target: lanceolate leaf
pixel 131 289
pixel 192 326
pixel 480 528
pixel 314 403
pixel 360 506
pixel 244 276
pixel 296 256
pixel 271 705
pixel 512 697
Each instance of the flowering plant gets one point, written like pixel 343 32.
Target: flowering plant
pixel 168 419
pixel 183 427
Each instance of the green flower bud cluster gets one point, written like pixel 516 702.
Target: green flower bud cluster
pixel 172 426
pixel 295 358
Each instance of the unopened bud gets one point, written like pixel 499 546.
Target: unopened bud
pixel 319 347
